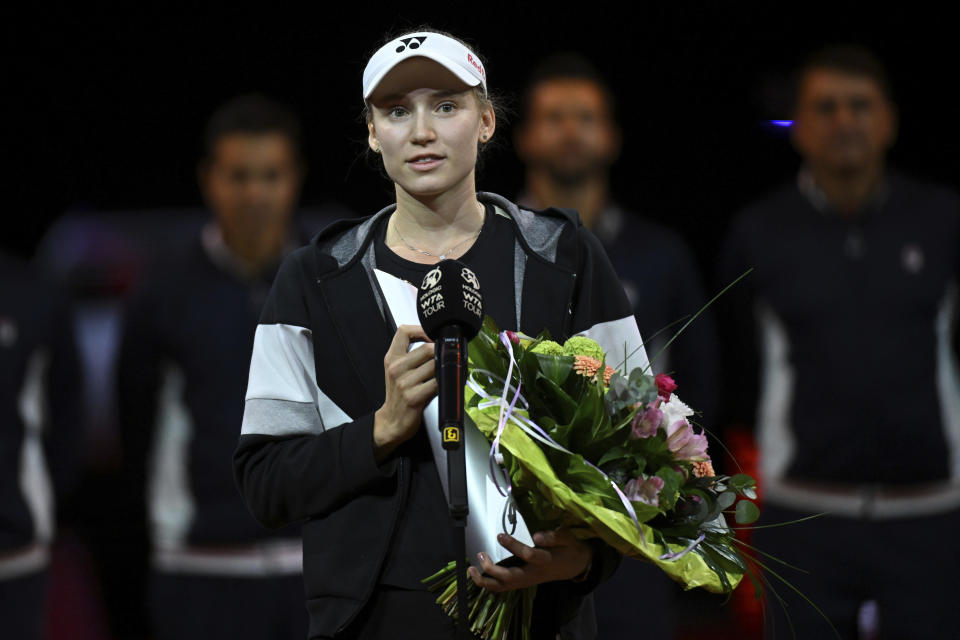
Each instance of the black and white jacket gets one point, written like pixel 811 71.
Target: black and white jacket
pixel 843 340
pixel 316 377
pixel 40 401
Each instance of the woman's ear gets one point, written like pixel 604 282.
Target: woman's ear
pixel 372 138
pixel 488 124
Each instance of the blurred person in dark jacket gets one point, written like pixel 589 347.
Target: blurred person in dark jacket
pixel 841 342
pixel 40 401
pixel 182 375
pixel 568 139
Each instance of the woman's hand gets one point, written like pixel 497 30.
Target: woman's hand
pixel 558 556
pixel 410 385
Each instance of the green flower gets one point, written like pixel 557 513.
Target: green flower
pixel 548 348
pixel 581 346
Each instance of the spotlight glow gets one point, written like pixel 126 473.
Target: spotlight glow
pixel 782 123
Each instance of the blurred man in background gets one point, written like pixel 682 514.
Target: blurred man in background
pixel 849 316
pixel 182 375
pixel 568 140
pixel 40 405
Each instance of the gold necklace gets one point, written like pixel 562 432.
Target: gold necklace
pixel 441 256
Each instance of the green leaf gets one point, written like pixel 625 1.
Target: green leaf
pixel 482 353
pixel 643 387
pixel 554 401
pixel 619 385
pixel 746 512
pixel 582 478
pixel 612 454
pixel 590 419
pixel 716 565
pixel 729 554
pixel 671 486
pixel 557 368
pixel 726 499
pixel 741 482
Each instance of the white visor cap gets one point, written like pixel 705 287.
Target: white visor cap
pixel 444 50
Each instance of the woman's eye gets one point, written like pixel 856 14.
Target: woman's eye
pixel 397 112
pixel 447 107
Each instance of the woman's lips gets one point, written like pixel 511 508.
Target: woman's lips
pixel 425 163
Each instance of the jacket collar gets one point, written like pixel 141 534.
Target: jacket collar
pixel 349 240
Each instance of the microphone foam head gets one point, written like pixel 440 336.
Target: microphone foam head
pixel 450 295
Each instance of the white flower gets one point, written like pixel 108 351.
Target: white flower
pixel 673 411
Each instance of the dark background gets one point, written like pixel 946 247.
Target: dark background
pixel 106 107
pixel 103 108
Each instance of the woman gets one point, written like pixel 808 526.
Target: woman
pixel 331 431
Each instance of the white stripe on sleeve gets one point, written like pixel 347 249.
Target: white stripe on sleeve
pixel 170 501
pixel 948 377
pixel 35 480
pixel 774 434
pixel 282 393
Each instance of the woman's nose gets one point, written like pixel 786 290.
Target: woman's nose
pixel 423 131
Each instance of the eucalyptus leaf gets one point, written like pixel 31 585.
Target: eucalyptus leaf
pixel 619 385
pixel 746 512
pixel 726 500
pixel 741 482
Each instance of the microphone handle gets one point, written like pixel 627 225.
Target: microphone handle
pixel 451 356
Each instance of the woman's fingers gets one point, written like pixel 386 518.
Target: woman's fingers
pixel 408 333
pixel 494 576
pixel 483 581
pixel 405 336
pixel 554 537
pixel 410 384
pixel 530 555
pixel 417 377
pixel 559 555
pixel 421 393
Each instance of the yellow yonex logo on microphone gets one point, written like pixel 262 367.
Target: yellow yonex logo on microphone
pixel 451 434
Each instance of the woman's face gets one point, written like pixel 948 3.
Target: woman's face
pixel 427 124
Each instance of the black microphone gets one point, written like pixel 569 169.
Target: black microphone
pixel 450 309
pixel 451 312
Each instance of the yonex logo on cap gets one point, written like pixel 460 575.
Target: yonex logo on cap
pixel 448 52
pixel 409 42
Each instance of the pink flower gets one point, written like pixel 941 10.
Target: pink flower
pixel 514 338
pixel 665 385
pixel 646 423
pixel 684 443
pixel 646 491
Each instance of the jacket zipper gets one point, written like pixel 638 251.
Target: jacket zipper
pixel 568 321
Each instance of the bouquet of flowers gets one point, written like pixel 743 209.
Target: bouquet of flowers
pixel 608 452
